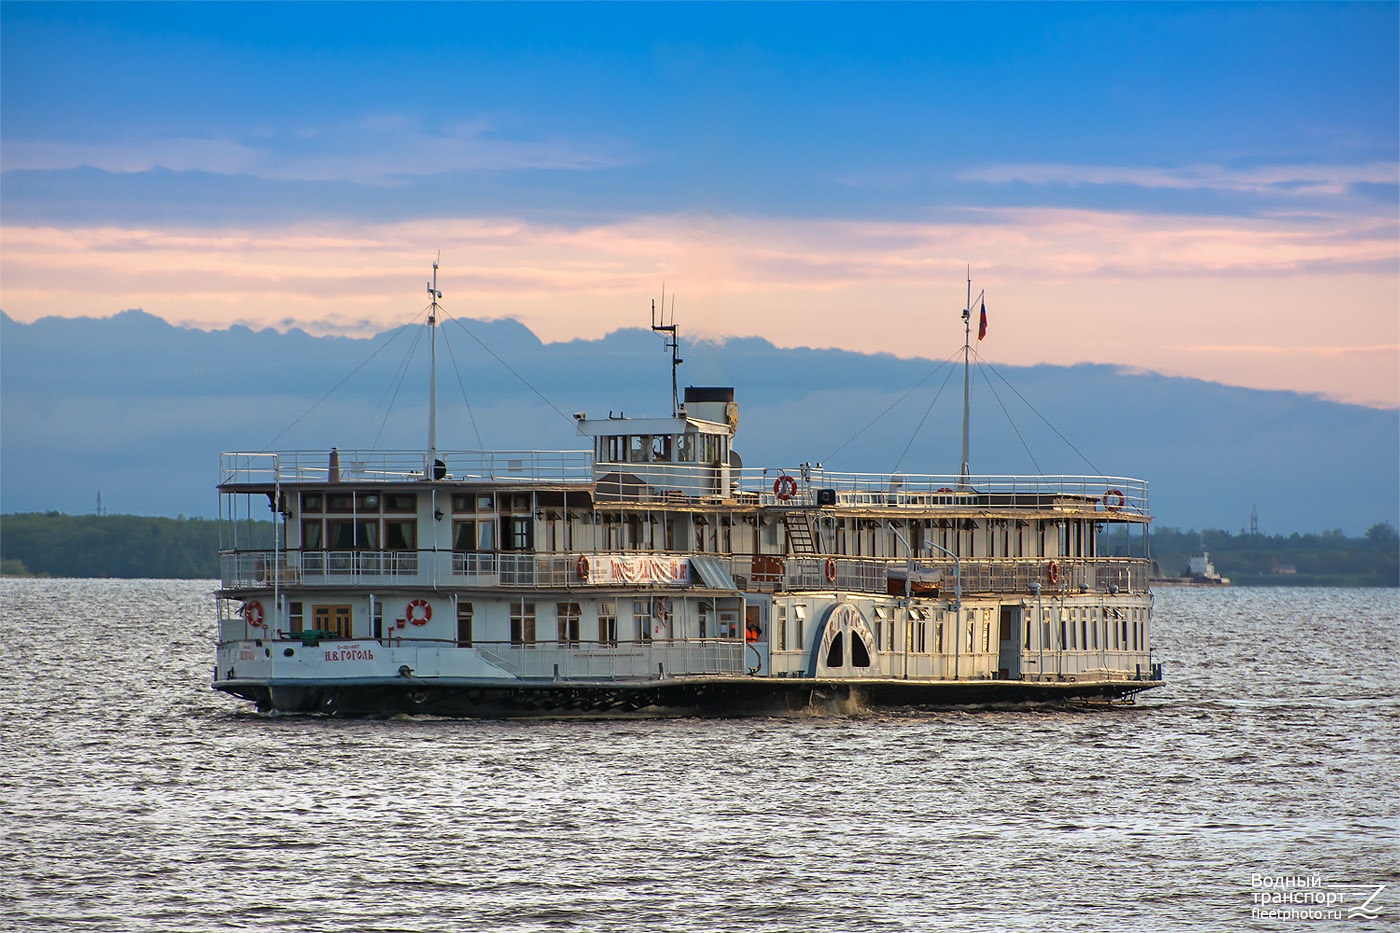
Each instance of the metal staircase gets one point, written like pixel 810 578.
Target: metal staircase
pixel 799 533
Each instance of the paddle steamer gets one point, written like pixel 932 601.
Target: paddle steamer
pixel 651 572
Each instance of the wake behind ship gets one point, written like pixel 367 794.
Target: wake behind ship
pixel 651 572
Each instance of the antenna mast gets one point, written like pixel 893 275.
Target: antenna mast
pixel 964 472
pixel 673 343
pixel 434 295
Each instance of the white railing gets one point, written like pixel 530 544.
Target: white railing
pixel 671 482
pixel 254 569
pixel 621 661
pixel 393 466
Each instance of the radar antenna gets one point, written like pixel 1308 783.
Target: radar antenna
pixel 673 343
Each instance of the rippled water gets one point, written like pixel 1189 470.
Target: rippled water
pixel 133 797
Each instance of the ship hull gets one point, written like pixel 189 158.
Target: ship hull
pixel 707 696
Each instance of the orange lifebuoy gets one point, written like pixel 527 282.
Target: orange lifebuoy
pixel 253 613
pixel 785 487
pixel 1052 573
pixel 582 567
pixel 830 570
pixel 1114 494
pixel 419 612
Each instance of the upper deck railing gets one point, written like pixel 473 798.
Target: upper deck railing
pixel 665 484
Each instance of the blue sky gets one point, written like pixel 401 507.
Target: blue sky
pixel 1203 190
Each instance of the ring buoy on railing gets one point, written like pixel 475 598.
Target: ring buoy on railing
pixel 830 570
pixel 784 487
pixel 1113 500
pixel 253 613
pixel 1052 573
pixel 419 612
pixel 583 567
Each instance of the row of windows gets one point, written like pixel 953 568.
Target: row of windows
pixel 360 503
pixel 366 534
pixel 663 448
pixel 1116 630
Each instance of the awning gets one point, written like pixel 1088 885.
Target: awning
pixel 712 573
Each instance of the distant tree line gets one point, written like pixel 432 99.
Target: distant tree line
pixel 56 545
pixel 1326 559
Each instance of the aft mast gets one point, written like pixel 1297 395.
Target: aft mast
pixel 434 295
pixel 964 472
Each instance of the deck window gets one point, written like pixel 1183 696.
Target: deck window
pixel 464 536
pixel 464 625
pixel 641 619
pixel 294 617
pixel 522 623
pixel 340 502
pixel 607 623
pixel 311 502
pixel 568 615
pixel 311 534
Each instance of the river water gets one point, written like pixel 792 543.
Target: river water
pixel 135 798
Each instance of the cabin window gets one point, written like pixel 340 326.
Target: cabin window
pixel 728 623
pixel 1084 632
pixel 1063 643
pixel 464 536
pixel 485 503
pixel 367 502
pixel 607 623
pixel 987 631
pixel 294 617
pixel 1094 628
pixel 463 503
pixel 400 502
pixel 400 535
pixel 938 637
pixel 340 502
pixel 522 623
pixel 568 615
pixel 1125 633
pixel 971 630
pixel 641 619
pixel 519 532
pixel 311 535
pixel 781 628
pixel 464 625
pixel 703 613
pixel 311 502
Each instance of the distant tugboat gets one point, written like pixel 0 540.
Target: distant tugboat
pixel 651 572
pixel 1201 570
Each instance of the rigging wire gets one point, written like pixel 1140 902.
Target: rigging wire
pixel 457 371
pixel 1015 430
pixel 329 392
pixel 517 375
pixel 1071 446
pixel 919 427
pixel 910 391
pixel 397 384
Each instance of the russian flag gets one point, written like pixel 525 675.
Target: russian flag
pixel 982 324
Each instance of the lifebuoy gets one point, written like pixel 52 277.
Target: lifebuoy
pixel 419 612
pixel 830 570
pixel 1052 573
pixel 785 487
pixel 942 489
pixel 1118 500
pixel 582 567
pixel 253 613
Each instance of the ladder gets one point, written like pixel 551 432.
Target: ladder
pixel 799 533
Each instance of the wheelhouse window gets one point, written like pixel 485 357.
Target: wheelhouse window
pixel 685 448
